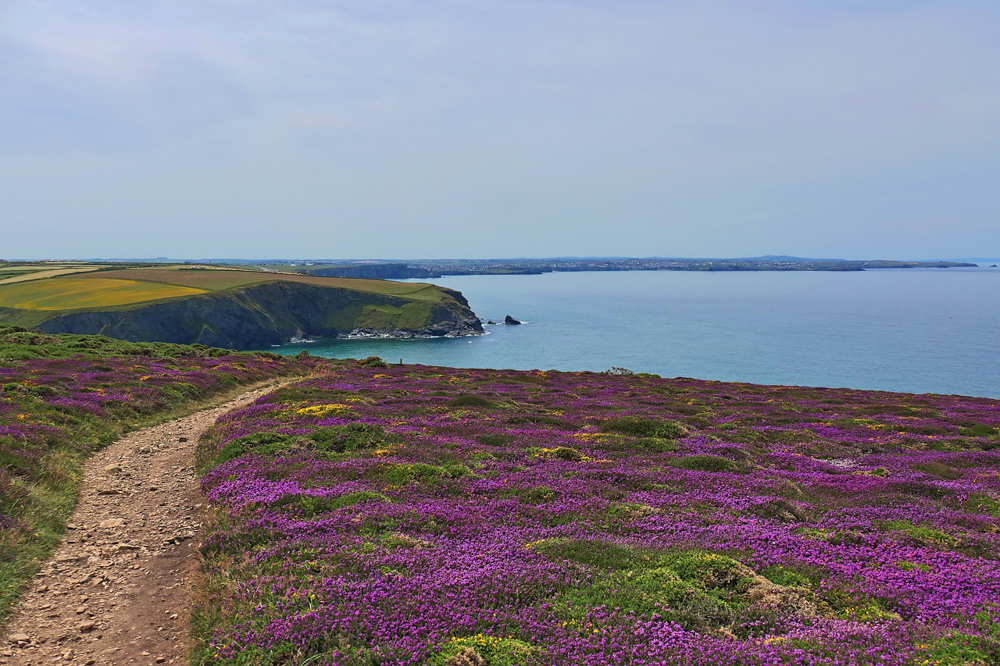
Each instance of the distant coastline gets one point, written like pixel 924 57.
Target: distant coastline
pixel 401 270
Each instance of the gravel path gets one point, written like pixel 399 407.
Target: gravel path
pixel 118 589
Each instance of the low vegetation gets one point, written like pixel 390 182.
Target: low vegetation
pixel 62 397
pixel 413 515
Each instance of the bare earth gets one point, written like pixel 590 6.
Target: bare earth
pixel 118 589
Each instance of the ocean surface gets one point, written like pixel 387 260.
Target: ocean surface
pixel 911 330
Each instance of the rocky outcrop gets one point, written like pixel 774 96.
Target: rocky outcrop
pixel 510 321
pixel 272 313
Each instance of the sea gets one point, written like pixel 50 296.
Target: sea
pixel 908 330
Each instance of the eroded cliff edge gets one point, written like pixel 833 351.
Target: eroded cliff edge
pixel 271 313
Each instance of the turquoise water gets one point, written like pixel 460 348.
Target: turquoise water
pixel 900 330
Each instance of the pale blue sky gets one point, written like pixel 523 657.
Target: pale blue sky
pixel 437 128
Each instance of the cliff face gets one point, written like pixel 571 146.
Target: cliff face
pixel 375 271
pixel 271 313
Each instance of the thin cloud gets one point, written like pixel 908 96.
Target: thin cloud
pixel 531 127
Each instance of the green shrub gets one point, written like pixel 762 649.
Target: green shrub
pixel 911 566
pixel 656 444
pixel 457 471
pixel 482 649
pixel 469 400
pixel 706 463
pixel 600 554
pixel 923 534
pixel 313 505
pixel 396 540
pixel 259 443
pixel 404 473
pixel 644 592
pixel 307 506
pixel 698 589
pixel 492 440
pixel 560 453
pixel 938 469
pixel 978 430
pixel 983 503
pixel 640 427
pixel 960 649
pixel 785 577
pixel 538 494
pixel 710 570
pixel 350 437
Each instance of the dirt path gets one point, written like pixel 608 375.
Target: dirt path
pixel 117 590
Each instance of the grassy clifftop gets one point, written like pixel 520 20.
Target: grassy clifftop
pixel 229 307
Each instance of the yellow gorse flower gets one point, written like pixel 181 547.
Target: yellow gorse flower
pixel 323 410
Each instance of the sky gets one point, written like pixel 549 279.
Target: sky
pixel 499 128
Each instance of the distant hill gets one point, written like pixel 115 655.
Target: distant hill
pixel 424 269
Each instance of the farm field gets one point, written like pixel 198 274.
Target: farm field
pixel 32 296
pixel 71 288
pixel 419 515
pixel 214 279
pixel 12 274
pixel 66 293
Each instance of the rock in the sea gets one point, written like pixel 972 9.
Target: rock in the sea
pixel 510 320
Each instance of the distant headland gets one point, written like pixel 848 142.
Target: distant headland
pixel 436 268
pixel 223 307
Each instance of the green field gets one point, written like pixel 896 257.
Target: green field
pixel 70 293
pixel 68 288
pixel 214 279
pixel 19 272
pixel 26 275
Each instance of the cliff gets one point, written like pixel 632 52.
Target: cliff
pixel 374 271
pixel 269 313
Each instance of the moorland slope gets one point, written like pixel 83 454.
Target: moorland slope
pixel 416 515
pixel 376 514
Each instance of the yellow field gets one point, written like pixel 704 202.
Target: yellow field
pixel 215 279
pixel 66 293
pixel 36 274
